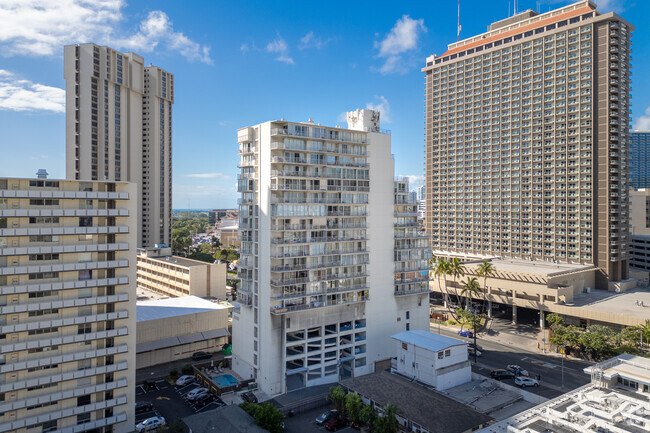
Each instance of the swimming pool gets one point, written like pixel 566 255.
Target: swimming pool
pixel 224 380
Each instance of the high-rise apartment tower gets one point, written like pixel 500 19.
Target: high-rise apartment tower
pixel 331 263
pixel 119 128
pixel 527 141
pixel 639 159
pixel 67 305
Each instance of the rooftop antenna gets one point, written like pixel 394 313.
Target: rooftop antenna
pixel 514 12
pixel 458 33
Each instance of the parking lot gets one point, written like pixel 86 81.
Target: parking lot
pixel 169 401
pixel 305 422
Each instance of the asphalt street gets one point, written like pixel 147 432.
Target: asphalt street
pixel 496 355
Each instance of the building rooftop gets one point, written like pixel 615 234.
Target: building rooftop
pixel 628 366
pixel 228 223
pixel 230 419
pixel 172 307
pixel 633 303
pixel 427 340
pixel 424 406
pixel 588 408
pixel 180 261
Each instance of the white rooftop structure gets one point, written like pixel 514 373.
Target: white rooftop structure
pixel 172 307
pixel 616 400
pixel 427 340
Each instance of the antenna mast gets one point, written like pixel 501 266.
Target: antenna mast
pixel 515 10
pixel 458 32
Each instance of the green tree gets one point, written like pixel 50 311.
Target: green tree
pixel 175 426
pixel 596 341
pixel 337 397
pixel 485 270
pixel 227 255
pixel 215 244
pixel 553 319
pixel 470 288
pixel 181 240
pixel 249 408
pixel 353 406
pixel 367 416
pixel 387 422
pixel 440 272
pixel 631 336
pixel 269 417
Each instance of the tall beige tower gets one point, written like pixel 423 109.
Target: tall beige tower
pixel 119 127
pixel 67 310
pixel 527 141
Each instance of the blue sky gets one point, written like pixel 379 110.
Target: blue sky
pixel 241 63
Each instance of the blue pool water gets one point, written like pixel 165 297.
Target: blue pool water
pixel 224 380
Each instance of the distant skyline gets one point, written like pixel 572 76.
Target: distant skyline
pixel 235 66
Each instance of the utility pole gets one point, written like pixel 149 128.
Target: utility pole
pixel 563 355
pixel 475 348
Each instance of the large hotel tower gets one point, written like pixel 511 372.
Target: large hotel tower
pixel 527 141
pixel 67 305
pixel 331 263
pixel 119 128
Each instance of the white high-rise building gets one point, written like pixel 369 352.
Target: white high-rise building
pixel 67 305
pixel 324 284
pixel 119 128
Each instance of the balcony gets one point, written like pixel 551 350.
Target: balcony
pixel 245 298
pixel 287 309
pixel 328 291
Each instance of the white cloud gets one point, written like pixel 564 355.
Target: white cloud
pixel 415 180
pixel 403 37
pixel 311 41
pixel 157 28
pixel 23 95
pixel 244 48
pixel 381 104
pixel 208 175
pixel 642 123
pixel 279 46
pixel 42 27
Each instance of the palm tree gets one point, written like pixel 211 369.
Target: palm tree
pixel 440 271
pixel 485 270
pixel 456 269
pixel 470 287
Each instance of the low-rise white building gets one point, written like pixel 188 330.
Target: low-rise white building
pixel 433 359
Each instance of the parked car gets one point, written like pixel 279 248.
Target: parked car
pixel 325 416
pixel 466 333
pixel 150 424
pixel 203 399
pixel 335 423
pixel 197 356
pixel 475 346
pixel 526 381
pixel 471 350
pixel 142 407
pixel 517 370
pixel 195 392
pixel 500 374
pixel 249 397
pixel 185 380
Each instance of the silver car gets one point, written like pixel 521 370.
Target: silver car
pixel 526 381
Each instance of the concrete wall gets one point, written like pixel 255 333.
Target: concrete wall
pixel 183 351
pixel 424 365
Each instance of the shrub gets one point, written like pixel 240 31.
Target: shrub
pixel 187 369
pixel 173 373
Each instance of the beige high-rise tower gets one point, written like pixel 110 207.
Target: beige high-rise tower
pixel 67 305
pixel 119 127
pixel 527 141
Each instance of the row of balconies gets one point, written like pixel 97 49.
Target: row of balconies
pixel 62 303
pixel 71 195
pixel 315 278
pixel 342 225
pixel 323 302
pixel 61 322
pixel 320 148
pixel 317 240
pixel 304 161
pixel 92 425
pixel 295 294
pixel 306 253
pixel 63 267
pixel 63 231
pixel 63 285
pixel 64 249
pixel 63 213
pixel 75 356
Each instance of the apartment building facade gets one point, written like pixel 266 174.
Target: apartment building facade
pixel 119 128
pixel 527 141
pixel 639 159
pixel 174 276
pixel 324 280
pixel 67 310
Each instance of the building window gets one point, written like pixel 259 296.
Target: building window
pixel 441 355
